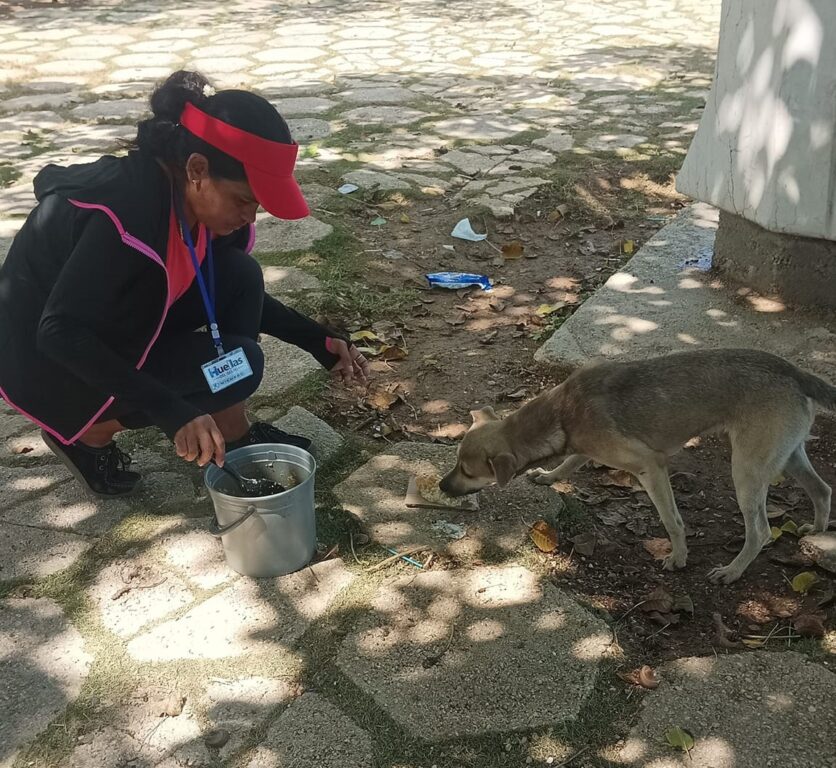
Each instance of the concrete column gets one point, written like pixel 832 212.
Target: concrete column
pixel 764 152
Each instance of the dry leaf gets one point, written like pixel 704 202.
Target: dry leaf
pixel 496 305
pixel 488 338
pixel 459 319
pixel 658 600
pixel 643 676
pixel 584 543
pixel 381 399
pixel 517 395
pixel 365 336
pixel 404 218
pixel 543 536
pixel 513 250
pixel 173 705
pixel 621 479
pixel 663 619
pixel 723 636
pixel 679 738
pixel 809 625
pixel 753 642
pixel 392 352
pixel 659 548
pixel 803 582
pixel 628 246
pixel 683 603
pixel 544 310
pixel 559 213
pixel 612 517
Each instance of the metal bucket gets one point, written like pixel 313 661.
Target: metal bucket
pixel 269 535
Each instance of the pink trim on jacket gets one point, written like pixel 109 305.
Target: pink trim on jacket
pixel 144 249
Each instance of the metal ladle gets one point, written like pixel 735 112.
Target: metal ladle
pixel 252 486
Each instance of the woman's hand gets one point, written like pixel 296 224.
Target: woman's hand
pixel 200 440
pixel 351 365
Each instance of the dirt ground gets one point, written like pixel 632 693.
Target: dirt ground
pixel 446 352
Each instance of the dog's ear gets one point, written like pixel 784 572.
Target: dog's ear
pixel 504 468
pixel 483 415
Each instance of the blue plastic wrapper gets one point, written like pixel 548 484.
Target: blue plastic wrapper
pixel 456 280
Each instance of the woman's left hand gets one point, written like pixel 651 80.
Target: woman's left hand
pixel 351 365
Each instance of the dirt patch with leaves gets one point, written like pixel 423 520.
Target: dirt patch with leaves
pixel 436 354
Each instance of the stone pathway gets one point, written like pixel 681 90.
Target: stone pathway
pixel 125 639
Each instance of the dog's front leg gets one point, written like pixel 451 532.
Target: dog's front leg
pixel 654 479
pixel 566 468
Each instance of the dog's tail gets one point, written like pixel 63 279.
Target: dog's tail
pixel 817 389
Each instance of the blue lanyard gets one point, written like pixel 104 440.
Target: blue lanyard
pixel 208 296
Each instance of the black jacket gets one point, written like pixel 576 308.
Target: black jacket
pixel 77 320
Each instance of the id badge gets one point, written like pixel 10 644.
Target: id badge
pixel 225 370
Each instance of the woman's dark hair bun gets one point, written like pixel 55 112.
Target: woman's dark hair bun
pixel 164 138
pixel 181 88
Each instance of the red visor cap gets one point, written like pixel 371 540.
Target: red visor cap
pixel 268 164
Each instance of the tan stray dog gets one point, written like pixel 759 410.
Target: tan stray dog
pixel 634 416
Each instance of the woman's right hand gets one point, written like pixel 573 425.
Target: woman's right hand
pixel 200 440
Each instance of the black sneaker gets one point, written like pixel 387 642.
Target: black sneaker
pixel 262 432
pixel 103 471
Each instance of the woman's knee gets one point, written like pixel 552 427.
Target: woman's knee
pixel 240 269
pixel 255 357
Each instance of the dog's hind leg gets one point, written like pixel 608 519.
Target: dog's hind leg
pixel 569 465
pixel 799 468
pixel 655 480
pixel 754 463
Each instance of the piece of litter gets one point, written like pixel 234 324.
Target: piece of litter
pixel 464 231
pixel 347 189
pixel 456 280
pixel 406 558
pixel 449 247
pixel 392 255
pixel 627 246
pixel 450 530
pixel 379 221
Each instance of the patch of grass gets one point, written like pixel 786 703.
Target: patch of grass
pixel 345 293
pixel 8 175
pixel 305 394
pixel 525 138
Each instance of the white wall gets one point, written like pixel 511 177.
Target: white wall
pixel 765 145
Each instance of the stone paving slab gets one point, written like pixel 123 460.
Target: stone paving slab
pixel 192 549
pixel 474 651
pixel 326 440
pixel 251 616
pixel 821 547
pixel 130 593
pixel 663 300
pixel 239 705
pixel 375 494
pixel 750 710
pixel 18 484
pixel 274 235
pixel 285 366
pixel 138 736
pixel 27 552
pixel 68 507
pixel 312 732
pixel 285 283
pixel 43 664
pixel 29 445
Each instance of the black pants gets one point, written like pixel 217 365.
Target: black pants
pixel 180 349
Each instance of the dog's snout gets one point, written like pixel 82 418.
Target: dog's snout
pixel 444 484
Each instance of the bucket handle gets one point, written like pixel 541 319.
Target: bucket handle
pixel 218 531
